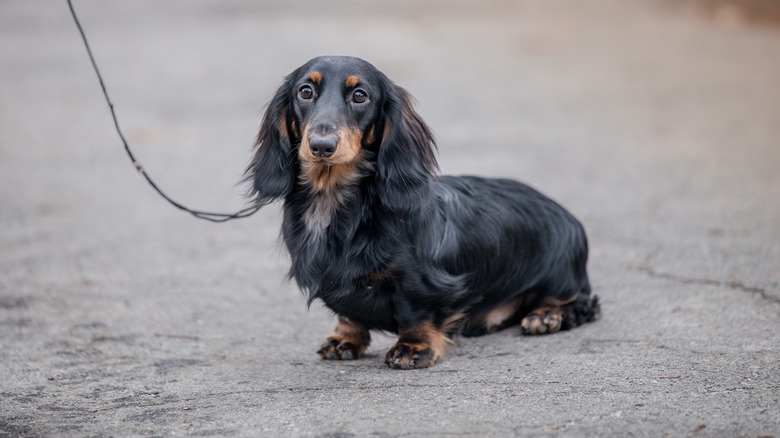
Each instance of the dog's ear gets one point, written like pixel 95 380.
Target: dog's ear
pixel 406 161
pixel 272 169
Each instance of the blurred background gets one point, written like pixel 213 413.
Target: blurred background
pixel 636 115
pixel 656 122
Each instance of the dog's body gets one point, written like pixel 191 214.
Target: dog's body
pixel 386 243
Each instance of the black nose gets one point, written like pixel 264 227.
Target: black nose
pixel 323 145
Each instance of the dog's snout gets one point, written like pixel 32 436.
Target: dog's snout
pixel 323 145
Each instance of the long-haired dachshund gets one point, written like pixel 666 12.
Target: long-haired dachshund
pixel 388 244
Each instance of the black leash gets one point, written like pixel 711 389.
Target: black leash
pixel 213 217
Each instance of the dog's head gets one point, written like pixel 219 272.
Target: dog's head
pixel 329 118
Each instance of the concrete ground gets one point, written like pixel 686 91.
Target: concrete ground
pixel 657 125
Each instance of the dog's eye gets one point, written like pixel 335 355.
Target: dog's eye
pixel 359 96
pixel 305 92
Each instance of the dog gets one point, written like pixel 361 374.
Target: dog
pixel 387 243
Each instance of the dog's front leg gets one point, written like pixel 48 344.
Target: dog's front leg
pixel 419 347
pixel 348 341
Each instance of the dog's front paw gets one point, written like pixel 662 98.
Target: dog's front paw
pixel 419 347
pixel 340 348
pixel 408 356
pixel 348 342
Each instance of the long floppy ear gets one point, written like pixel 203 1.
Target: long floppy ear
pixel 272 169
pixel 406 162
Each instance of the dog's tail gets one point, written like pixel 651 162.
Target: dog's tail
pixel 585 308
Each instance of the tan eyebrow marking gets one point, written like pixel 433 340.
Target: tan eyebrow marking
pixel 351 81
pixel 315 77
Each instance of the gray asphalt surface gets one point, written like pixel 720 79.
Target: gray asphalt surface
pixel 656 125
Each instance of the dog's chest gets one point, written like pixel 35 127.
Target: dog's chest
pixel 321 212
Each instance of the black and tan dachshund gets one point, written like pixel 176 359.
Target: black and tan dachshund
pixel 388 244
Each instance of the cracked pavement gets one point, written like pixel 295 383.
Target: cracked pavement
pixel 655 124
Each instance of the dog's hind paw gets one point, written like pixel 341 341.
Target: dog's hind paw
pixel 542 321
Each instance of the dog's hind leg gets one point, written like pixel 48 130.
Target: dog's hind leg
pixel 348 341
pixel 555 315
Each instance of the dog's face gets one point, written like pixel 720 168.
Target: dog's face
pixel 333 120
pixel 336 101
